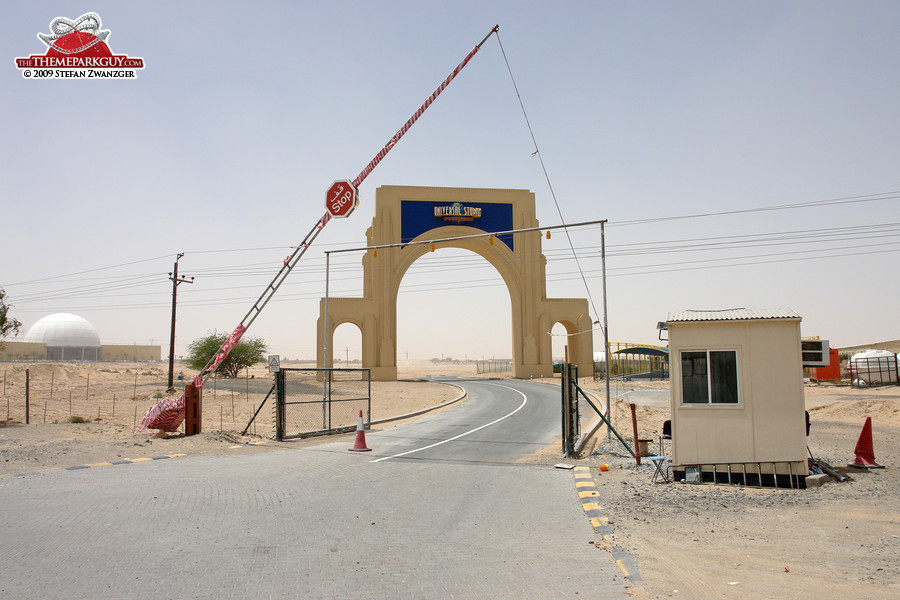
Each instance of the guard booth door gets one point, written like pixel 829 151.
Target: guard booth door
pixel 321 401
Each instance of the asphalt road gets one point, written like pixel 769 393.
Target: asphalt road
pixel 501 422
pixel 458 519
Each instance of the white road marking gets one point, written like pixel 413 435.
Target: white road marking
pixel 456 437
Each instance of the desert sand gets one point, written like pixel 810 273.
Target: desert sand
pixel 841 540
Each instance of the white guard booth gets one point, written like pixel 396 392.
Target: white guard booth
pixel 738 411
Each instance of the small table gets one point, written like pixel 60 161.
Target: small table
pixel 660 472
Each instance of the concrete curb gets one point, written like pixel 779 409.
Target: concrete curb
pixel 124 461
pixel 423 411
pixel 589 496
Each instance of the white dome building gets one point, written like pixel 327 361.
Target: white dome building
pixel 67 336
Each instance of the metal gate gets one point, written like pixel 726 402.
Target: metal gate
pixel 321 401
pixel 875 370
pixel 571 419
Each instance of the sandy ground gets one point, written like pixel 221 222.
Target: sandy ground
pixel 110 433
pixel 691 541
pixel 841 540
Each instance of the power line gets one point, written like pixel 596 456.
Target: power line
pixel 113 286
pixel 732 261
pixel 128 264
pixel 796 205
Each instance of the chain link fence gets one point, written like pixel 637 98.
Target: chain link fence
pixel 320 401
pixel 493 366
pixel 46 393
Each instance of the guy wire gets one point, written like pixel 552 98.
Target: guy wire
pixel 547 178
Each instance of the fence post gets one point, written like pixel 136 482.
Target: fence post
pixel 192 416
pixel 637 446
pixel 279 406
pixel 27 393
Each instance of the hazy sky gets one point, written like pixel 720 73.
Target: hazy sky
pixel 643 111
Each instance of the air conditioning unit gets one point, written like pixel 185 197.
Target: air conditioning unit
pixel 815 353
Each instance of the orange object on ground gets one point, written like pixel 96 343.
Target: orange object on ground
pixel 359 444
pixel 865 452
pixel 831 372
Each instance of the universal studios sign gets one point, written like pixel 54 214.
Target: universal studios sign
pixel 420 216
pixel 457 213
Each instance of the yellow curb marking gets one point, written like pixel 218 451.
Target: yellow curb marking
pixel 591 506
pixel 588 494
pixel 93 465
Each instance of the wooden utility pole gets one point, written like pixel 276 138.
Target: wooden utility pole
pixel 173 276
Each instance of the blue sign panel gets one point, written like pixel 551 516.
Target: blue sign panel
pixel 417 217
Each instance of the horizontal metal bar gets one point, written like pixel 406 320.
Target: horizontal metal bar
pixel 466 237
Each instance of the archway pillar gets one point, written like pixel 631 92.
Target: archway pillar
pixel 378 350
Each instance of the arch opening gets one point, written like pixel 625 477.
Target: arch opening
pixel 346 350
pixel 453 308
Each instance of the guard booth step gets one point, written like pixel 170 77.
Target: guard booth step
pixel 772 474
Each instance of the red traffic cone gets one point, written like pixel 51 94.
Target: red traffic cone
pixel 865 453
pixel 359 445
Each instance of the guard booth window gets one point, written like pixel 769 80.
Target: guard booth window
pixel 709 377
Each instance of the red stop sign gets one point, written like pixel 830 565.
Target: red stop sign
pixel 341 198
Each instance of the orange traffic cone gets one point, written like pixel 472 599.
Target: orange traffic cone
pixel 865 453
pixel 359 445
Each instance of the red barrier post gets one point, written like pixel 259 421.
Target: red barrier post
pixel 192 412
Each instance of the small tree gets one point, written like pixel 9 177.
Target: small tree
pixel 245 353
pixel 7 324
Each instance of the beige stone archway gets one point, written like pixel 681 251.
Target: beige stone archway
pixel 404 214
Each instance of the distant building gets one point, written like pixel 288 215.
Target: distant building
pixel 68 337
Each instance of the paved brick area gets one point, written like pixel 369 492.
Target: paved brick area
pixel 313 523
